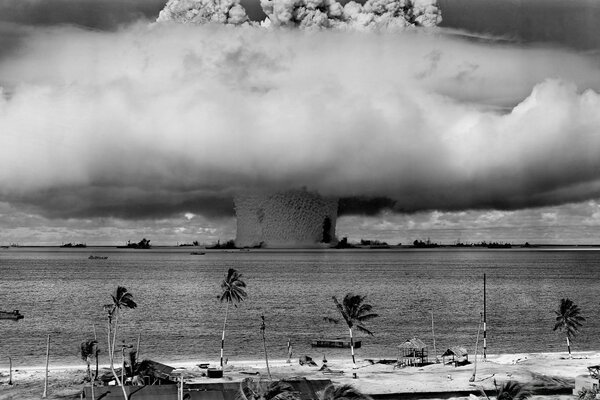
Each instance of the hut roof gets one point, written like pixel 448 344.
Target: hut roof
pixel 413 343
pixel 455 351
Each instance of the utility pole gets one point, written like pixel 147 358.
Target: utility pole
pixel 45 394
pixel 484 322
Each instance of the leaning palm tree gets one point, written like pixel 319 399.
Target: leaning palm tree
pixel 512 390
pixel 355 312
pixel 233 292
pixel 121 299
pixel 568 320
pixel 88 352
pixel 343 392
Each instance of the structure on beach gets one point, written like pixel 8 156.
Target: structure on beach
pixel 456 355
pixel 295 218
pixel 413 352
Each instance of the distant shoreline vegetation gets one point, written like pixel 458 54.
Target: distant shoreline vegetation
pixel 344 243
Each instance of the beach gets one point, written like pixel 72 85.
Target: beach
pixel 535 370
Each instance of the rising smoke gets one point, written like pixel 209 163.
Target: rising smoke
pixel 309 14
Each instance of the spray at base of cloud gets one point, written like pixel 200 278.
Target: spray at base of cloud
pixel 178 118
pixel 309 14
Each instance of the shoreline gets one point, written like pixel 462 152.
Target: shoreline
pixel 554 372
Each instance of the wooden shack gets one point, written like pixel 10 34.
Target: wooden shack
pixel 413 352
pixel 456 356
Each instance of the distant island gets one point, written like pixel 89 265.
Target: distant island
pixel 142 244
pixel 80 245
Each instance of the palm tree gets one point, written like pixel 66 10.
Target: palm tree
pixel 355 312
pixel 568 319
pixel 121 299
pixel 512 390
pixel 262 330
pixel 343 392
pixel 251 389
pixel 88 351
pixel 233 292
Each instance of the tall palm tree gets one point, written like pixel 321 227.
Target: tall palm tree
pixel 568 320
pixel 232 292
pixel 88 352
pixel 121 299
pixel 262 331
pixel 512 390
pixel 355 312
pixel 343 392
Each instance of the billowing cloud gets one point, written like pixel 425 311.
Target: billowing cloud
pixel 170 119
pixel 309 14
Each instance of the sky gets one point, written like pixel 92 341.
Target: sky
pixel 115 128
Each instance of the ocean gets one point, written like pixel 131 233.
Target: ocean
pixel 179 317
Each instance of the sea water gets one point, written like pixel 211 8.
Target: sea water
pixel 179 317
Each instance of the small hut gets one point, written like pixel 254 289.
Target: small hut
pixel 456 355
pixel 413 352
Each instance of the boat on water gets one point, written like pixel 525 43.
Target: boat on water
pixel 92 257
pixel 336 343
pixel 197 253
pixel 14 315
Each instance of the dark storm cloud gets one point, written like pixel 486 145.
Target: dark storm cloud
pixel 89 202
pixel 166 119
pixel 569 23
pixel 97 14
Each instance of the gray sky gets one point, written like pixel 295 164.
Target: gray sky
pixel 486 130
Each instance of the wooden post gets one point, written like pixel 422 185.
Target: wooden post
pixel 45 394
pixel 484 322
pixel 10 371
pixel 472 379
pixel 137 348
pixel 433 333
pixel 181 393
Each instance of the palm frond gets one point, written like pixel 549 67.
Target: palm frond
pixel 367 317
pixel 122 298
pixel 233 287
pixel 341 392
pixel 512 390
pixel 88 349
pixel 343 310
pixel 568 318
pixel 363 329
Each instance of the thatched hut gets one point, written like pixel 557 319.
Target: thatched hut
pixel 456 355
pixel 413 352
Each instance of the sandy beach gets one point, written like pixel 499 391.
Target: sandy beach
pixel 537 370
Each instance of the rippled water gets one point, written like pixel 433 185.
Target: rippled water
pixel 61 292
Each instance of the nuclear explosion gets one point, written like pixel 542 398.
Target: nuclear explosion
pixel 296 218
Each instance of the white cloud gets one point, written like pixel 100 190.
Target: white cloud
pixel 162 117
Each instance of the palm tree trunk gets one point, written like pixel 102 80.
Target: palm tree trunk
pixel 265 348
pixel 110 358
pixel 114 339
pixel 223 336
pixel 569 347
pixel 96 373
pixel 352 351
pixel 112 355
